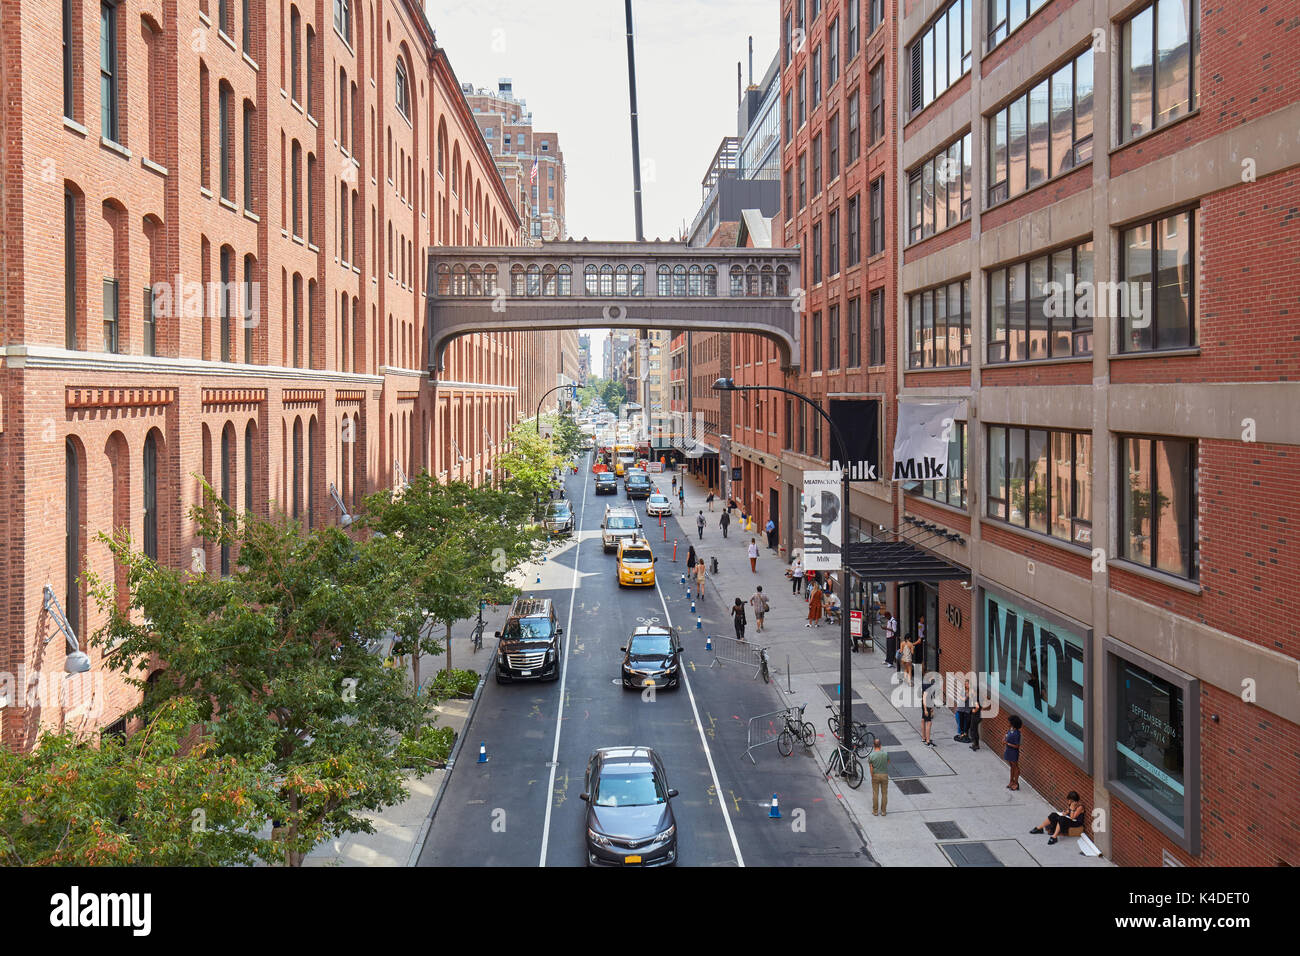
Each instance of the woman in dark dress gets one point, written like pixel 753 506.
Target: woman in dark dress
pixel 927 708
pixel 690 563
pixel 1057 824
pixel 738 618
pixel 1012 752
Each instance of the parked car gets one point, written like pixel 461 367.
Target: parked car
pixel 652 657
pixel 528 646
pixel 629 816
pixel 658 504
pixel 606 483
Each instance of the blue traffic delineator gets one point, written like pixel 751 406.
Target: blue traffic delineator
pixel 698 623
pixel 482 752
pixel 775 812
pixel 692 607
pixel 708 642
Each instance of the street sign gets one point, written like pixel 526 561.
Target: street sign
pixel 855 623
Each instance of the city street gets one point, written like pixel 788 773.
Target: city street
pixel 522 807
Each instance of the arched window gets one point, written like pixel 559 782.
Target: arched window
pixel 444 279
pixel 475 280
pixel 679 281
pixel 313 450
pixel 768 285
pixel 458 280
pixel 295 55
pixel 517 279
pixel 565 284
pixel 296 493
pixel 590 281
pixel 710 280
pixel 751 280
pixel 607 279
pixel 548 280
pixel 534 279
pixel 694 281
pixel 72 536
pixel 621 275
pixel 489 280
pixel 248 467
pixel 402 92
pixel 251 307
pixel 737 280
pixel 151 497
pixel 227 489
pixel 665 280
pixel 782 280
pixel 638 280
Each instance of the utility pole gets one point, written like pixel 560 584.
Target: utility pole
pixel 643 334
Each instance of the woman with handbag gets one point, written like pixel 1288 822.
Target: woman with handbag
pixel 815 608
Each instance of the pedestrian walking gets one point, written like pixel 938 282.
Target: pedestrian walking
pixel 709 499
pixel 878 761
pixel 753 555
pixel 674 484
pixel 738 618
pixel 1011 751
pixel 699 525
pixel 725 522
pixel 796 576
pixel 699 579
pixel 691 560
pixel 891 639
pixel 770 528
pixel 919 650
pixel 975 715
pixel 927 707
pixel 758 601
pixel 814 609
pixel 905 652
pixel 681 498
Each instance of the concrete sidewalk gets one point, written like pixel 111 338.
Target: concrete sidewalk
pixel 948 805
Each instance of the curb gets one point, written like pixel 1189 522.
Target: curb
pixel 423 835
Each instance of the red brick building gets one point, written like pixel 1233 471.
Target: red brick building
pixel 1099 256
pixel 213 218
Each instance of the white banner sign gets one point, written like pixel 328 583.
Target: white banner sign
pixel 921 441
pixel 822 513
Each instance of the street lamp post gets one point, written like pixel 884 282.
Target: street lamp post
pixel 538 416
pixel 846 640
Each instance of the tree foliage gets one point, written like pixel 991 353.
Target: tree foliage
pixel 166 797
pixel 530 463
pixel 275 660
pixel 567 437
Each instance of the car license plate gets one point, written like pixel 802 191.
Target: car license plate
pixel 632 859
pixel 648 682
pixel 525 673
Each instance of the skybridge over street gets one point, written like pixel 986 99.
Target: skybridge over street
pixel 573 284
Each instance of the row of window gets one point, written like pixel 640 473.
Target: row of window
pixel 1042 480
pixel 1049 128
pixel 829 356
pixel 1044 307
pixel 849 232
pixel 829 144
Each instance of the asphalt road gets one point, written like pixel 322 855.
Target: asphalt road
pixel 521 808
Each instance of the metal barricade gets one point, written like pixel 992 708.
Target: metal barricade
pixel 731 651
pixel 764 729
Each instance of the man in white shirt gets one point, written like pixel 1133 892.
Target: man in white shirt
pixel 891 639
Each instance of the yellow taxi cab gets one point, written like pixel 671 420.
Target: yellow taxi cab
pixel 636 563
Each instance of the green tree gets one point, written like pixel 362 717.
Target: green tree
pixel 163 798
pixel 567 437
pixel 275 659
pixel 454 545
pixel 530 464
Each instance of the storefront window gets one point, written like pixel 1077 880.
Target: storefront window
pixel 1149 739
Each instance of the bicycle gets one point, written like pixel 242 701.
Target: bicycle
pixel 863 739
pixel 846 762
pixel 804 731
pixel 477 636
pixel 762 666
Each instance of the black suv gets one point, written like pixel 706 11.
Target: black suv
pixel 528 648
pixel 638 486
pixel 606 483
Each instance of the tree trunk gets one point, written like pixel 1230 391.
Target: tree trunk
pixel 448 646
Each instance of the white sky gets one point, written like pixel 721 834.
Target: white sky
pixel 568 61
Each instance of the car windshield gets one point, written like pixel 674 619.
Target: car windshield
pixel 621 522
pixel 658 500
pixel 529 628
pixel 651 645
pixel 628 785
pixel 637 556
pixel 559 511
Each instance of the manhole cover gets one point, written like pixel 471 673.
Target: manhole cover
pixel 901 764
pixel 945 829
pixel 912 788
pixel 970 854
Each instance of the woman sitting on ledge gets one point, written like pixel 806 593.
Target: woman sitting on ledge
pixel 1060 824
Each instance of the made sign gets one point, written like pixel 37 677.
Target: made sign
pixel 1038 668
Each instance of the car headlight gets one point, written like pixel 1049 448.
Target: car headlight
pixel 597 838
pixel 663 836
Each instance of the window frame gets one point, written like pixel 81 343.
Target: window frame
pixel 1191 559
pixel 1080 527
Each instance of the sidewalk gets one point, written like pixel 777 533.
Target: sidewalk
pixel 948 805
pixel 400 829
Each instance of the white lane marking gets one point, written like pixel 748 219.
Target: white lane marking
pixel 708 755
pixel 564 677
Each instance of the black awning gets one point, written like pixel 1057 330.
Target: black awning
pixel 897 560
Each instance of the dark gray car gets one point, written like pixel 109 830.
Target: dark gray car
pixel 629 812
